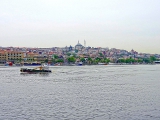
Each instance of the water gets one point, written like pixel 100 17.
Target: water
pixel 129 92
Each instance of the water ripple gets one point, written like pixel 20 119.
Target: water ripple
pixel 81 93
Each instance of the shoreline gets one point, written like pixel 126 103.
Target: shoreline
pixel 114 64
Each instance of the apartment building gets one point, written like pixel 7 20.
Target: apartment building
pixel 2 56
pixel 7 55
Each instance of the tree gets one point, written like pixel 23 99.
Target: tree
pixel 130 60
pixel 53 60
pixel 95 61
pixel 17 60
pixel 101 55
pixel 98 59
pixel 55 56
pixel 68 54
pixel 139 60
pixel 106 60
pixel 20 59
pixel 76 51
pixel 121 60
pixel 82 60
pixel 74 55
pixel 146 60
pixel 90 61
pixel 46 61
pixel 60 60
pixel 71 59
pixel 152 58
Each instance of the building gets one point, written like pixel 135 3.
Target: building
pixel 12 56
pixel 2 56
pixel 30 56
pixel 78 46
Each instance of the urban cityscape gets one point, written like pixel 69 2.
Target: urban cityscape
pixel 70 55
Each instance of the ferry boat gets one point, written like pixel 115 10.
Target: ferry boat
pixel 41 69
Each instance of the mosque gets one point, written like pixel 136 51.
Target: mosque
pixel 79 46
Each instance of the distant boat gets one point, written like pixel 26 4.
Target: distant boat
pixel 8 64
pixel 18 64
pixel 32 64
pixel 112 63
pixel 157 62
pixel 80 63
pixel 102 63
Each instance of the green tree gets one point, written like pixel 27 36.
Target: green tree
pixel 74 55
pixel 20 59
pixel 98 59
pixel 95 61
pixel 106 60
pixel 68 54
pixel 46 61
pixel 53 60
pixel 60 60
pixel 146 60
pixel 76 51
pixel 121 60
pixel 152 58
pixel 128 60
pixel 139 60
pixel 101 55
pixel 90 61
pixel 82 59
pixel 71 59
pixel 17 60
pixel 55 56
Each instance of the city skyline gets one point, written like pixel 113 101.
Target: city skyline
pixel 49 23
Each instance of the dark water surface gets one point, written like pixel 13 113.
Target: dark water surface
pixel 130 92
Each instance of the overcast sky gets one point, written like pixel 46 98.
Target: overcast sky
pixel 123 24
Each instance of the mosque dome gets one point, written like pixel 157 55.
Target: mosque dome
pixel 78 46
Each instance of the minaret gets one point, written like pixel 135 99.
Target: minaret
pixel 84 43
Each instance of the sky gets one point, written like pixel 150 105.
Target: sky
pixel 122 24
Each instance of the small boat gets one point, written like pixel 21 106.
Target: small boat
pixel 8 64
pixel 157 62
pixel 80 63
pixel 41 69
pixel 31 64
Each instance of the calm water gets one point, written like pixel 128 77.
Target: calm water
pixel 81 93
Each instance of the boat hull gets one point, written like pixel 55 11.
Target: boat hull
pixel 25 70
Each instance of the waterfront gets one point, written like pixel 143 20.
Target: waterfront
pixel 117 92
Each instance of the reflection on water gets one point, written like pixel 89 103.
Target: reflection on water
pixel 128 92
pixel 40 74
